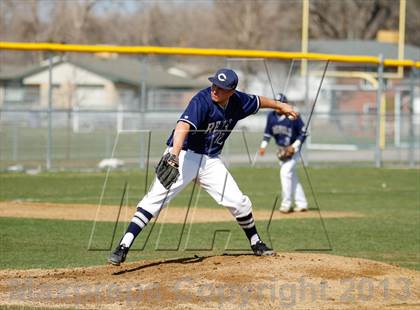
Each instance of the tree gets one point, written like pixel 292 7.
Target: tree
pixel 70 21
pixel 352 19
pixel 412 33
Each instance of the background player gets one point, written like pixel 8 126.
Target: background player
pixel 289 135
pixel 193 153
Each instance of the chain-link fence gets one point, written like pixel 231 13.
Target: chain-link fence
pixel 73 112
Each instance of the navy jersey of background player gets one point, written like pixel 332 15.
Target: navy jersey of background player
pixel 284 130
pixel 211 124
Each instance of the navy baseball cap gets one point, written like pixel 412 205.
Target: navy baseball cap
pixel 225 78
pixel 281 97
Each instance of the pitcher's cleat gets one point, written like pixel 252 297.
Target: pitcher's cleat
pixel 300 209
pixel 261 249
pixel 118 256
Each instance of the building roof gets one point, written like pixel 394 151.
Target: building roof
pixel 365 48
pixel 132 71
pixel 119 70
pixel 16 73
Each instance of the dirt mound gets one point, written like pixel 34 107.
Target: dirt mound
pixel 168 215
pixel 288 280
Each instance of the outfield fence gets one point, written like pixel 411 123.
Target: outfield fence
pixel 335 138
pixel 73 110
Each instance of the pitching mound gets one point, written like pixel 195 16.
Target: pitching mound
pixel 288 280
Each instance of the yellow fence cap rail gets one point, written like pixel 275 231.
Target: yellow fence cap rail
pixel 57 47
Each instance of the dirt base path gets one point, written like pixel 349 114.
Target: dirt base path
pixel 168 215
pixel 288 280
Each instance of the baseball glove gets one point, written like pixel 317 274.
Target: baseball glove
pixel 167 170
pixel 285 153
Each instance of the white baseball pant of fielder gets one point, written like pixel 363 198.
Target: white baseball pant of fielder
pixel 292 190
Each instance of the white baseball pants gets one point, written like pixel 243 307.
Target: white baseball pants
pixel 211 174
pixel 292 190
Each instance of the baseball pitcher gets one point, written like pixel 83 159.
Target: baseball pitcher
pixel 289 135
pixel 193 153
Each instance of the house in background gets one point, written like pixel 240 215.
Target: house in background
pixel 96 82
pixel 353 91
pixel 13 94
pixel 363 102
pixel 363 48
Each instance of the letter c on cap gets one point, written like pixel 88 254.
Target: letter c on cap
pixel 221 77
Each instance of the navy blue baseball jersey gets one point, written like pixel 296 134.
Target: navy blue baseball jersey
pixel 211 124
pixel 284 130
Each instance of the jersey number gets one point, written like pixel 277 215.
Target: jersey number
pixel 218 137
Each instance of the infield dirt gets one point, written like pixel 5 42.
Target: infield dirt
pixel 285 281
pixel 288 280
pixel 168 215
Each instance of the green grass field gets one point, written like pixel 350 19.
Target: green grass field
pixel 387 199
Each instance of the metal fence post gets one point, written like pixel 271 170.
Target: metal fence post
pixel 397 119
pixel 411 116
pixel 378 151
pixel 15 139
pixel 50 88
pixel 307 108
pixel 144 75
